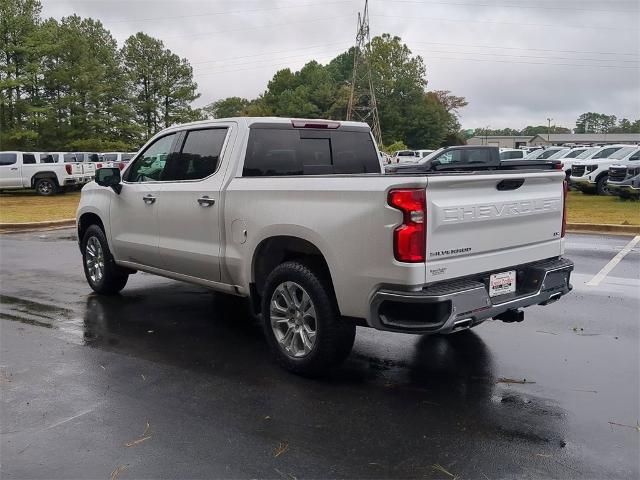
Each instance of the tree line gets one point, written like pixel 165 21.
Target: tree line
pixel 589 122
pixel 67 85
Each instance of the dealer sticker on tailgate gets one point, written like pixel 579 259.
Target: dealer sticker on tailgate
pixel 501 283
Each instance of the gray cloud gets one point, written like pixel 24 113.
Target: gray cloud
pixel 517 61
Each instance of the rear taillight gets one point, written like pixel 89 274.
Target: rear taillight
pixel 409 242
pixel 98 165
pixel 565 187
pixel 68 168
pixel 121 166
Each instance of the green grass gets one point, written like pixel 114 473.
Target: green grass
pixel 26 206
pixel 582 208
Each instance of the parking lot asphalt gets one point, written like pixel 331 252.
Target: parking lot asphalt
pixel 169 380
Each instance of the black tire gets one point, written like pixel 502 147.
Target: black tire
pixel 113 278
pixel 46 186
pixel 334 336
pixel 601 185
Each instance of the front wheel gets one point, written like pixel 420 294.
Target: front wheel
pixel 100 269
pixel 301 320
pixel 601 185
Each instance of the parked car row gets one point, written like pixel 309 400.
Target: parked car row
pixel 590 170
pixel 54 172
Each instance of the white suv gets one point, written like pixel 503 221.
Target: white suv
pixel 590 174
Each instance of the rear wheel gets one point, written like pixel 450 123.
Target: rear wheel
pixel 601 185
pixel 301 320
pixel 46 186
pixel 100 269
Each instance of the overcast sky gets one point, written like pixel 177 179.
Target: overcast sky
pixel 516 61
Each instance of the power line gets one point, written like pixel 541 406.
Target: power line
pixel 272 53
pixel 537 56
pixel 325 51
pixel 522 48
pixel 495 22
pixel 260 67
pixel 233 12
pixel 530 63
pixel 248 29
pixel 498 5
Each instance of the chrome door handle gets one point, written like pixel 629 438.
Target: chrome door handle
pixel 14 168
pixel 205 201
pixel 149 199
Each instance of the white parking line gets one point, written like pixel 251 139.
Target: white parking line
pixel 595 281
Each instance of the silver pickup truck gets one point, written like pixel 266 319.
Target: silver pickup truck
pixel 297 216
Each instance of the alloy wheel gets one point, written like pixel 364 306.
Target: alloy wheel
pixel 293 319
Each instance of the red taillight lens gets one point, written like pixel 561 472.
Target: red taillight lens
pixel 565 187
pixel 68 167
pixel 98 165
pixel 121 166
pixel 409 242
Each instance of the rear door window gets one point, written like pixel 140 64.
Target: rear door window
pixel 274 152
pixel 8 158
pixel 47 158
pixel 28 158
pixel 110 157
pixel 199 156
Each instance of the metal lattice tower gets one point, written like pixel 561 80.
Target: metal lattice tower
pixel 362 99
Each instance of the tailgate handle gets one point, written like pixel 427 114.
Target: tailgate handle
pixel 511 184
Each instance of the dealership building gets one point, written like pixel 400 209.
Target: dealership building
pixel 518 141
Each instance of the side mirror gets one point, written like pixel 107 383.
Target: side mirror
pixel 109 177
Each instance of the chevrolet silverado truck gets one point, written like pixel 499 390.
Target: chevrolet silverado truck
pixel 24 170
pixel 298 216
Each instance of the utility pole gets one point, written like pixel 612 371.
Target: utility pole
pixel 362 98
pixel 548 127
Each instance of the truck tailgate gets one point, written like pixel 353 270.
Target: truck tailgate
pixel 480 223
pixel 88 168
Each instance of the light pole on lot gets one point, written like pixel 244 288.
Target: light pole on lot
pixel 548 127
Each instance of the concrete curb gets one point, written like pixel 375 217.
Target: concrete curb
pixel 29 226
pixel 603 228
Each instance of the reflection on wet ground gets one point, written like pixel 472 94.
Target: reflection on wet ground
pixel 401 406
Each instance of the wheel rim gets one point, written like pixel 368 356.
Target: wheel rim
pixel 293 319
pixel 94 259
pixel 45 186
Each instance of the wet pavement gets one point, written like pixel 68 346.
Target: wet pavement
pixel 169 380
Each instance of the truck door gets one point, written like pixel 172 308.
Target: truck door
pixel 133 213
pixel 10 170
pixel 189 210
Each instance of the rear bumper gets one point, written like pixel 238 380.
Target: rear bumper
pixel 454 305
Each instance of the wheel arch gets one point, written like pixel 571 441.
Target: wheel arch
pixel 273 251
pixel 48 174
pixel 87 219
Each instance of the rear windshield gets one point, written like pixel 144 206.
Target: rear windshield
pixel 272 152
pixel 48 157
pixel 73 157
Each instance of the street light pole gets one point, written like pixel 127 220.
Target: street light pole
pixel 548 127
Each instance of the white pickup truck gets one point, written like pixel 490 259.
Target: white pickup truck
pixel 40 171
pixel 297 216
